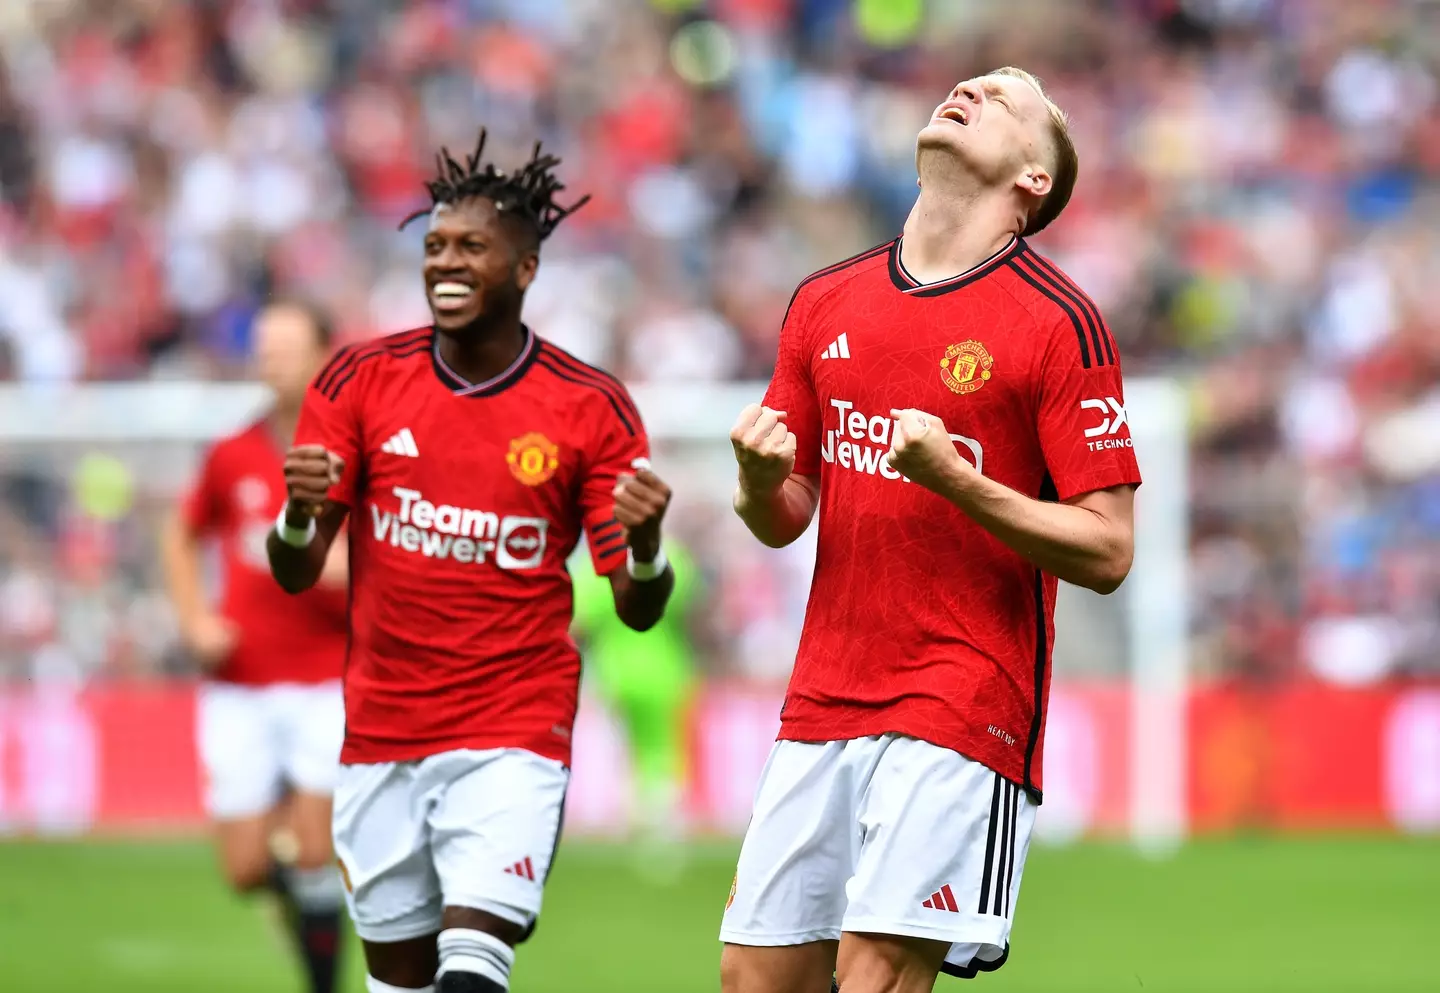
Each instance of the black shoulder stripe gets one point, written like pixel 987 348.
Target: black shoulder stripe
pixel 1080 297
pixel 1055 299
pixel 340 361
pixel 843 264
pixel 332 390
pixel 605 381
pixel 350 354
pixel 1031 263
pixel 547 361
pixel 847 263
pixel 399 342
pixel 869 253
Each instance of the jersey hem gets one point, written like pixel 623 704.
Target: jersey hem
pixel 370 753
pixel 792 733
pixel 266 682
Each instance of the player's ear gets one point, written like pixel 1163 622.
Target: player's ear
pixel 1035 180
pixel 525 269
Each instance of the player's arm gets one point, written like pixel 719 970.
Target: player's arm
pixel 300 542
pixel 643 586
pixel 1087 540
pixel 321 473
pixel 777 443
pixel 208 636
pixel 775 502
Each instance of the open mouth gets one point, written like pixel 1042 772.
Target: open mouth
pixel 957 114
pixel 451 295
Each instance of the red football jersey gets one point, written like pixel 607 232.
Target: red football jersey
pixel 920 622
pixel 282 638
pixel 465 501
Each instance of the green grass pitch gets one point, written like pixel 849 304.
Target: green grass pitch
pixel 1275 914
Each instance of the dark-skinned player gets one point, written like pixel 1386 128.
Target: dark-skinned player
pixel 469 457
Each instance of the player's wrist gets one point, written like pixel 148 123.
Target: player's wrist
pixel 646 564
pixel 295 536
pixel 297 514
pixel 750 492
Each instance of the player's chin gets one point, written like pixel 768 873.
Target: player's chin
pixel 449 318
pixel 940 136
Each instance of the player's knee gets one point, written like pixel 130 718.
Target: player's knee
pixel 889 964
pixel 732 970
pixel 473 961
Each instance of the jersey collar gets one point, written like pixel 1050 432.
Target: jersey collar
pixel 462 387
pixel 910 286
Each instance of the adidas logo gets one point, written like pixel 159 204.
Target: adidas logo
pixel 523 869
pixel 402 443
pixel 942 899
pixel 839 348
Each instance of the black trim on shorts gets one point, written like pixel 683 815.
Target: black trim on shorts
pixel 990 846
pixel 1014 837
pixel 977 967
pixel 1007 846
pixel 554 853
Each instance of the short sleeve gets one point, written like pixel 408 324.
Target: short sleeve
pixel 1083 425
pixel 330 417
pixel 618 442
pixel 793 390
pixel 203 506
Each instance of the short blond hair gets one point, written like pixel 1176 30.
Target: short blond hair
pixel 1067 162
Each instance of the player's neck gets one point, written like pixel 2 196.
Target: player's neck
pixel 948 233
pixel 482 351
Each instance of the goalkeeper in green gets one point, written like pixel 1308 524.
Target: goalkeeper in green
pixel 647 680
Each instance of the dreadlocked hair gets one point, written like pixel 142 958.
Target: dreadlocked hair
pixel 528 193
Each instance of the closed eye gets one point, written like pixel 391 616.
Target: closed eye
pixel 998 95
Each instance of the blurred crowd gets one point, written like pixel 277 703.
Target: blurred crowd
pixel 1258 214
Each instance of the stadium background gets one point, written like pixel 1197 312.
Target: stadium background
pixel 1257 216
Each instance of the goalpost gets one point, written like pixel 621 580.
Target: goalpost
pixel 153 432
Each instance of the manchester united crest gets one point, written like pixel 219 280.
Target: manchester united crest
pixel 965 367
pixel 533 458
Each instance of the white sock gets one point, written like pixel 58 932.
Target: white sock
pixel 316 891
pixel 467 950
pixel 375 986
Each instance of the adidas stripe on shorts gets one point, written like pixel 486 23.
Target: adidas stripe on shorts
pixel 466 828
pixel 883 834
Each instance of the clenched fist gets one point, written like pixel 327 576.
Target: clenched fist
pixel 310 471
pixel 641 499
pixel 764 448
pixel 920 447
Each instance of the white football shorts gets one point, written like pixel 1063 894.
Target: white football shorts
pixel 887 835
pixel 465 828
pixel 254 739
